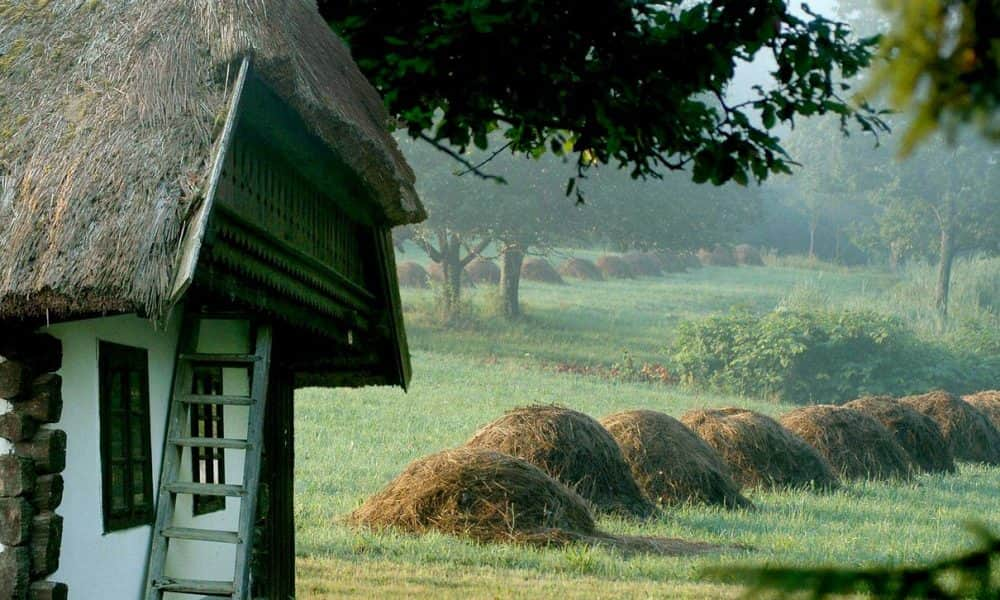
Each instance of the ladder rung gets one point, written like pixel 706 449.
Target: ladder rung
pixel 205 489
pixel 202 535
pixel 196 586
pixel 221 359
pixel 209 399
pixel 204 442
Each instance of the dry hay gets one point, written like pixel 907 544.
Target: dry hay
pixel 580 268
pixel 988 403
pixel 573 448
pixel 671 262
pixel 745 254
pixel 643 264
pixel 672 464
pixel 968 431
pixel 917 433
pixel 720 256
pixel 493 497
pixel 483 271
pixel 539 269
pixel 613 267
pixel 855 444
pixel 759 451
pixel 412 275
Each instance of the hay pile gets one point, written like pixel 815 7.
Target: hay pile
pixel 855 444
pixel 643 264
pixel 539 269
pixel 483 271
pixel 759 451
pixel 969 434
pixel 613 267
pixel 720 256
pixel 571 447
pixel 580 268
pixel 690 260
pixel 671 262
pixel 492 497
pixel 988 403
pixel 412 275
pixel 747 255
pixel 670 463
pixel 918 434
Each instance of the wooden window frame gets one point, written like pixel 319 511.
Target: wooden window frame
pixel 213 418
pixel 116 360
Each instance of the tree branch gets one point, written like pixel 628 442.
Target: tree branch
pixel 470 168
pixel 482 164
pixel 474 252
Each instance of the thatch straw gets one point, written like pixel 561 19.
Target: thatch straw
pixel 759 451
pixel 492 497
pixel 613 267
pixel 109 115
pixel 747 255
pixel 918 434
pixel 573 448
pixel 483 271
pixel 987 403
pixel 672 464
pixel 643 264
pixel 855 444
pixel 539 269
pixel 412 275
pixel 969 434
pixel 580 268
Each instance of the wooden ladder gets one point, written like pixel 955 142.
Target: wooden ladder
pixel 170 485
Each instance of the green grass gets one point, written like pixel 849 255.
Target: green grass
pixel 350 443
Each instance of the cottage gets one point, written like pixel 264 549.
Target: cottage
pixel 195 207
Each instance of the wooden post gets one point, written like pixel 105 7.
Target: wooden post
pixel 17 476
pixel 17 427
pixel 48 493
pixel 15 521
pixel 44 400
pixel 46 539
pixel 12 378
pixel 15 572
pixel 47 449
pixel 48 590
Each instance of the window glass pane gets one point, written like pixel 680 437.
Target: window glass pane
pixel 115 391
pixel 116 433
pixel 135 392
pixel 138 485
pixel 136 445
pixel 118 493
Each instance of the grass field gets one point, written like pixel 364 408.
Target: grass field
pixel 350 443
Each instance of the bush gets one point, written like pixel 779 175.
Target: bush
pixel 819 356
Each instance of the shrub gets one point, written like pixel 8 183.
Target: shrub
pixel 818 356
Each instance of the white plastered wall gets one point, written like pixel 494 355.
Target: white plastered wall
pixel 113 566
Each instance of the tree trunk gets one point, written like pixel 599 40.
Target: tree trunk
pixel 451 270
pixel 812 238
pixel 510 282
pixel 895 255
pixel 945 259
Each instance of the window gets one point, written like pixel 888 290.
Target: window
pixel 126 464
pixel 208 464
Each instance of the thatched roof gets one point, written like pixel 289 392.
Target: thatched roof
pixel 109 115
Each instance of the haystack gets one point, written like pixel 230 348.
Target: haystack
pixel 969 433
pixel 672 464
pixel 643 264
pixel 759 451
pixel 483 271
pixel 671 262
pixel 613 267
pixel 580 268
pixel 720 256
pixel 412 275
pixel 493 497
pixel 539 269
pixel 988 403
pixel 690 260
pixel 747 255
pixel 855 444
pixel 573 448
pixel 918 434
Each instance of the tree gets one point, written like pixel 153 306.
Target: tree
pixel 940 63
pixel 637 83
